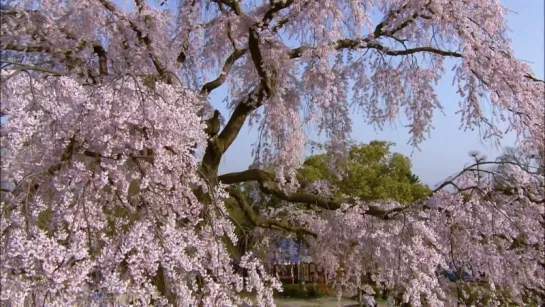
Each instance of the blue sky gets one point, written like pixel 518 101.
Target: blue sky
pixel 447 150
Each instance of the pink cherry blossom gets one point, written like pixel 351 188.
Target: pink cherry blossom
pixel 114 188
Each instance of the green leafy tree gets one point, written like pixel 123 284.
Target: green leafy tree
pixel 370 172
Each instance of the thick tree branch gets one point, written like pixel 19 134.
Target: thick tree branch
pixel 268 186
pixel 210 86
pixel 217 146
pixel 231 59
pixel 275 8
pixel 368 44
pixel 264 223
pixel 281 22
pixel 379 28
pixel 414 50
pixel 232 4
pixel 245 176
pixel 257 58
pixel 241 112
pixel 254 47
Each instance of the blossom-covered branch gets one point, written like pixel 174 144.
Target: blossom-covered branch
pixel 268 185
pixel 264 223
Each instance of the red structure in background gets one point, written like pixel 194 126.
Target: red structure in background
pixel 303 272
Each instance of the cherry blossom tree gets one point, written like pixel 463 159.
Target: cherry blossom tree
pixel 115 185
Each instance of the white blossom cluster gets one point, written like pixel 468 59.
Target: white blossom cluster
pixel 103 200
